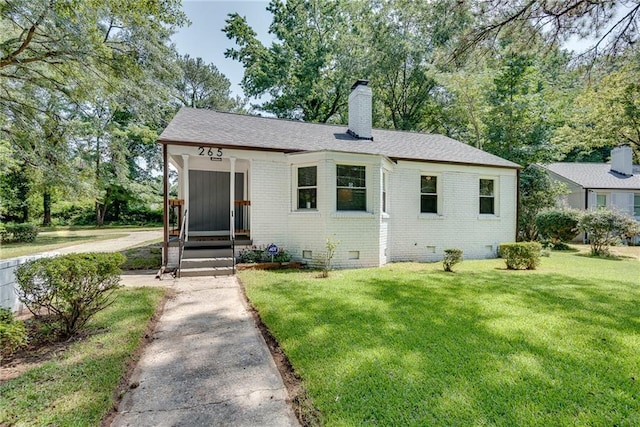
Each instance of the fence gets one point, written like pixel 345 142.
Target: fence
pixel 8 294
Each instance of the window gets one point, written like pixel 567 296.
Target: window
pixel 636 204
pixel 487 197
pixel 428 194
pixel 601 200
pixel 307 187
pixel 384 192
pixel 351 188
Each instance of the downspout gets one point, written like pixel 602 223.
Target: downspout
pixel 517 203
pixel 586 208
pixel 165 191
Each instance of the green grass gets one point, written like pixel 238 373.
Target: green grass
pixel 148 257
pixel 409 344
pixel 77 388
pixel 61 237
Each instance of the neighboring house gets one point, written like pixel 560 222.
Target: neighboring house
pixel 384 195
pixel 595 185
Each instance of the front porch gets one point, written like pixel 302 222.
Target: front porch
pixel 208 212
pixel 212 197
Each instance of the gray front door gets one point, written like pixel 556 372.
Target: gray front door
pixel 209 200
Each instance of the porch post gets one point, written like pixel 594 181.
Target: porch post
pixel 165 198
pixel 232 197
pixel 185 193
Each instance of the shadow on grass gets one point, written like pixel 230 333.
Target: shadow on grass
pixel 610 257
pixel 488 347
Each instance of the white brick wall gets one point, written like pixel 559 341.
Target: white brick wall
pixel 423 237
pixel 270 200
pixel 371 238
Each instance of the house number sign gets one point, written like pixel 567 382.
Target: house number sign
pixel 215 154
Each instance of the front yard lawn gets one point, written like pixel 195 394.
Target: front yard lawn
pixel 409 344
pixel 76 387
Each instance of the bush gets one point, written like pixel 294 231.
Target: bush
pixel 605 227
pixel 558 226
pixel 451 257
pixel 521 255
pixel 24 233
pixel 257 254
pixel 69 288
pixel 327 256
pixel 13 334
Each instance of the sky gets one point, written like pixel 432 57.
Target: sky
pixel 204 37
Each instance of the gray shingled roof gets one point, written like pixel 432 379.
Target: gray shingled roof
pixel 198 126
pixel 596 175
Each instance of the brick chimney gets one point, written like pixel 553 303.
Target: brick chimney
pixel 622 160
pixel 360 121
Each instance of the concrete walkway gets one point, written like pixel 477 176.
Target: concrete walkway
pixel 134 238
pixel 207 365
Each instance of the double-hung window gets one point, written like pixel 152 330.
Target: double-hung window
pixel 636 204
pixel 601 201
pixel 428 194
pixel 487 196
pixel 351 187
pixel 307 187
pixel 385 178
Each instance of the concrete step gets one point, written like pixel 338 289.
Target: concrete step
pixel 210 244
pixel 193 253
pixel 207 262
pixel 206 272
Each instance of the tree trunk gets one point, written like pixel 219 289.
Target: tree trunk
pixel 116 208
pixel 46 205
pixel 25 212
pixel 99 215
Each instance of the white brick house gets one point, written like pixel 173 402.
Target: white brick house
pixel 594 185
pixel 385 195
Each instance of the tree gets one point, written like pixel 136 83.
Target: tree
pixel 537 193
pixel 203 86
pixel 605 114
pixel 77 52
pixel 522 113
pixel 612 23
pixel 308 72
pixel 401 69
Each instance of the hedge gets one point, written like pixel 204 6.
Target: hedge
pixel 521 255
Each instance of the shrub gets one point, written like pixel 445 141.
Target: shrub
pixel 13 334
pixel 257 254
pixel 451 257
pixel 327 256
pixel 558 226
pixel 24 233
pixel 69 288
pixel 521 255
pixel 605 227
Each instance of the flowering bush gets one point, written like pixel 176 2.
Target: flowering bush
pixel 451 258
pixel 256 254
pixel 605 227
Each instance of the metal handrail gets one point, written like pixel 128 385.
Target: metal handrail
pixel 181 242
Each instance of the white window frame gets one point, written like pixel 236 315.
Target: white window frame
pixel 438 194
pixel 351 187
pixel 495 196
pixel 598 196
pixel 384 198
pixel 308 187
